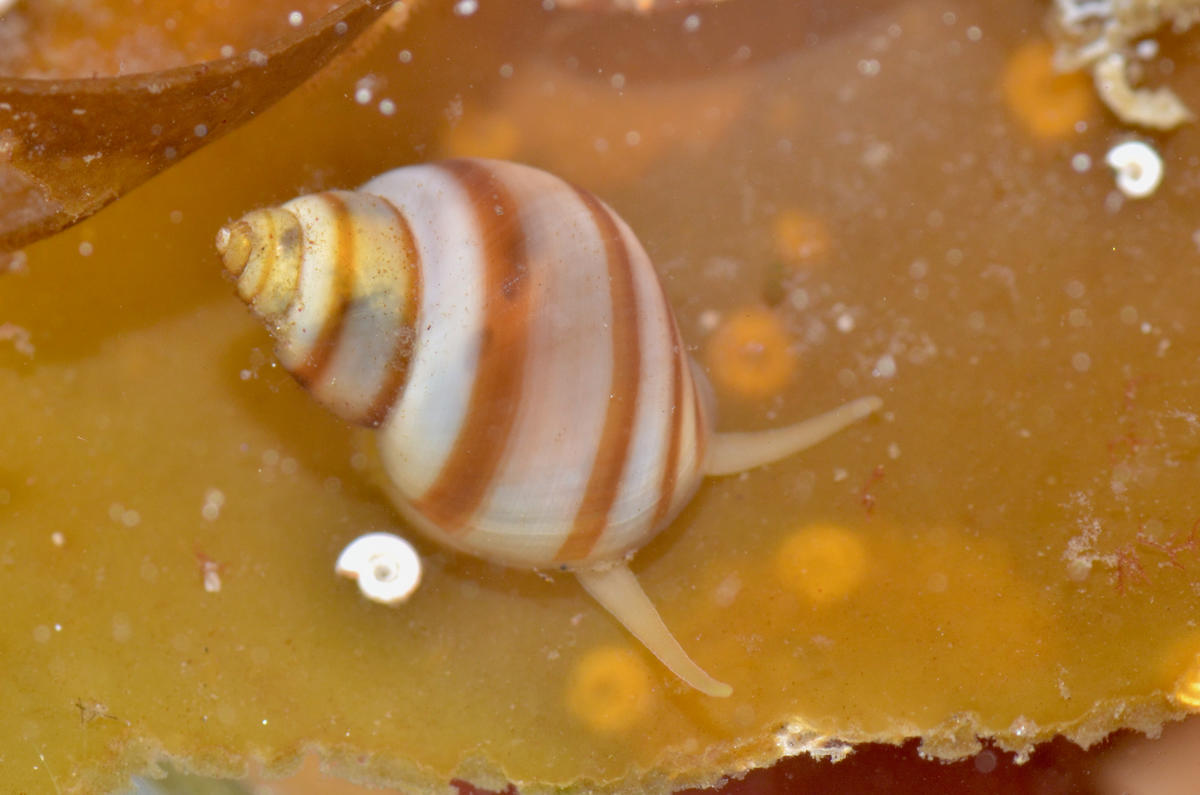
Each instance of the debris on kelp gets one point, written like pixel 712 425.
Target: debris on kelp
pixel 1102 36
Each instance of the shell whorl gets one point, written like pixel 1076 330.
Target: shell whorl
pixel 551 417
pixel 335 278
pixel 510 337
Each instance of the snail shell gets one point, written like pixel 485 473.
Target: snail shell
pixel 507 336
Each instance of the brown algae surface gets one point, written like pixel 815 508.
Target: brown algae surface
pixel 889 205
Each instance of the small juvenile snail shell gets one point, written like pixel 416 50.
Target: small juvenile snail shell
pixel 507 336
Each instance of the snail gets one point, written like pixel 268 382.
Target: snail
pixel 508 339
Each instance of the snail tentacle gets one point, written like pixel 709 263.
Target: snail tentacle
pixel 730 453
pixel 619 592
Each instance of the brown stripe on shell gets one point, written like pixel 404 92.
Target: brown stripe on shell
pixel 401 359
pixel 309 371
pixel 266 263
pixel 604 482
pixel 468 470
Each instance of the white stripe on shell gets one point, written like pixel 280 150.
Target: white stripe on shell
pixel 640 486
pixel 360 365
pixel 422 430
pixel 543 474
pixel 309 311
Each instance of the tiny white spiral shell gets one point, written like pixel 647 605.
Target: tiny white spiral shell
pixel 508 337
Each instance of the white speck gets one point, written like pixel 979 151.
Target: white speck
pixel 839 475
pixel 885 366
pixel 85 249
pixel 918 269
pixel 974 33
pixel 257 57
pixel 876 155
pixel 691 23
pixel 122 630
pixel 949 18
pixel 1076 289
pixel 465 8
pixel 131 518
pixel 245 375
pixel 212 576
pixel 387 107
pixel 1138 167
pixel 404 56
pixel 289 465
pixel 200 130
pixel 341 28
pixel 868 67
pixel 385 566
pixel 506 70
pixel 1081 162
pixel 1147 49
pixel 20 338
pixel 295 19
pixel 226 50
pixel 454 109
pixel 169 153
pixel 893 451
pixel 1128 315
pixel 633 138
pixel 175 216
pixel 1081 362
pixel 1077 318
pixel 617 81
pixel 214 500
pixel 57 539
pixel 709 319
pixel 1022 726
pixel 362 95
pixel 18 262
pixel 845 323
pixel 727 590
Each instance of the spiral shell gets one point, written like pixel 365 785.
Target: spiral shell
pixel 508 337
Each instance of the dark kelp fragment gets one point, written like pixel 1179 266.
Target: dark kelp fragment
pixel 69 147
